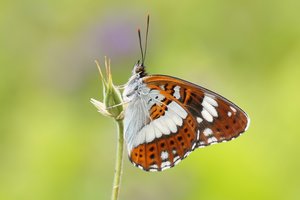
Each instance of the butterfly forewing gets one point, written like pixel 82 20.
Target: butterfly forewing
pixel 217 118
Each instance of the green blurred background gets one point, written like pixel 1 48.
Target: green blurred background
pixel 53 143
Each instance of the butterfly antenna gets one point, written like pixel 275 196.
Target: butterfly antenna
pixel 141 47
pixel 146 42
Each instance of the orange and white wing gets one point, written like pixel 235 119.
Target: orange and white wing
pixel 179 117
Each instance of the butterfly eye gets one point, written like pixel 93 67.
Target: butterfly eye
pixel 138 69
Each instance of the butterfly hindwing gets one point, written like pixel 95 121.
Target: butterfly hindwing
pixel 164 152
pixel 168 137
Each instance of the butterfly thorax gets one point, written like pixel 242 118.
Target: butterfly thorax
pixel 136 95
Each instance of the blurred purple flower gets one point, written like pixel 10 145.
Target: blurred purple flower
pixel 113 36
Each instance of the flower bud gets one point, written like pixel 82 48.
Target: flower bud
pixel 112 105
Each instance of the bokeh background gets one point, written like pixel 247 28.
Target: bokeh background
pixel 53 143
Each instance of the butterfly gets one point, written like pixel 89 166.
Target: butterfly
pixel 166 118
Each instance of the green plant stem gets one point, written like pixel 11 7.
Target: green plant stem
pixel 119 162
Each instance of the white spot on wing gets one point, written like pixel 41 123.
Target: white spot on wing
pixel 212 110
pixel 178 109
pixel 161 126
pixel 229 113
pixel 199 120
pixel 177 92
pixel 149 132
pixel 210 100
pixel 176 158
pixel 194 145
pixel 158 133
pixel 186 154
pixel 164 155
pixel 169 122
pixel 153 166
pixel 201 144
pixel 175 117
pixel 198 134
pixel 212 139
pixel 232 108
pixel 206 115
pixel 165 165
pixel 139 166
pixel 177 161
pixel 207 132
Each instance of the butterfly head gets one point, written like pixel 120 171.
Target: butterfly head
pixel 139 70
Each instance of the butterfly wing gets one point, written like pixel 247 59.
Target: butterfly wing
pixel 178 117
pixel 158 131
pixel 218 118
